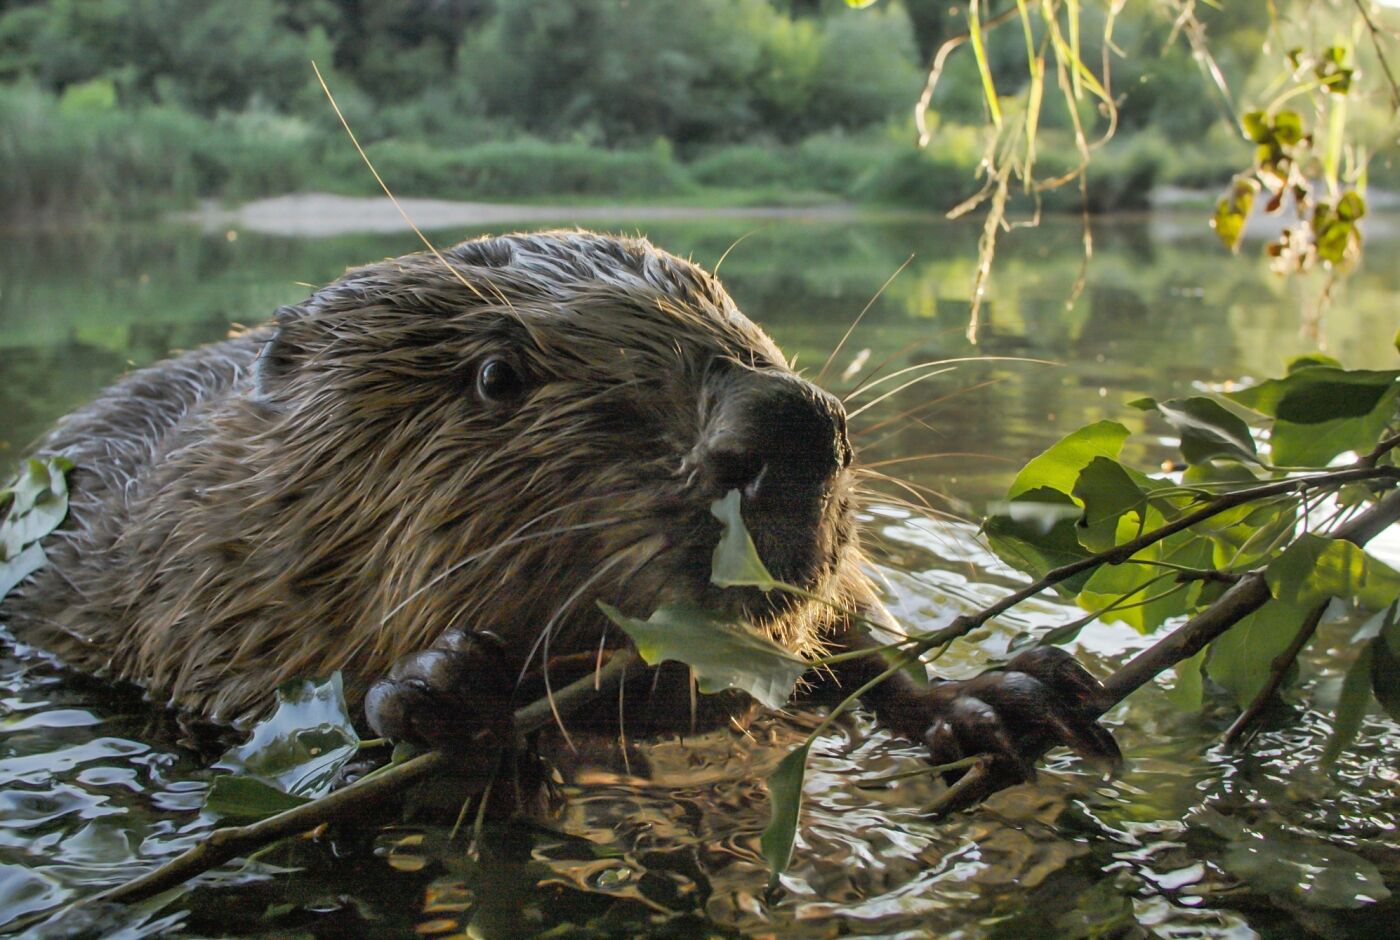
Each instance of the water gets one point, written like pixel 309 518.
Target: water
pixel 94 787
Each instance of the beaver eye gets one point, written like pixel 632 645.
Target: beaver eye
pixel 498 381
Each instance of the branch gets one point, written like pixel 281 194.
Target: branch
pixel 1380 53
pixel 1277 670
pixel 350 802
pixel 1234 605
pixel 1121 553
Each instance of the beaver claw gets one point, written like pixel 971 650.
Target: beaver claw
pixel 454 695
pixel 1043 698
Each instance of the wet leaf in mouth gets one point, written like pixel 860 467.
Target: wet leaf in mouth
pixel 736 562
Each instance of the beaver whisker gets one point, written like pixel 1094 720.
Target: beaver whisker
pixel 548 630
pixel 868 385
pixel 514 539
pixel 851 415
pixel 924 406
pixel 860 316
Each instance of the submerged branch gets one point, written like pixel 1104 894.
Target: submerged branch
pixel 350 802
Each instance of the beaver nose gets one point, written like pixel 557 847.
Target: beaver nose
pixel 777 439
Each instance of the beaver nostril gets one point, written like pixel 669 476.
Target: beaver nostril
pixel 732 466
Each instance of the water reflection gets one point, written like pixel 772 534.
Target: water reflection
pixel 94 787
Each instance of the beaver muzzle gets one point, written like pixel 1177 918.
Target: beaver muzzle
pixel 781 442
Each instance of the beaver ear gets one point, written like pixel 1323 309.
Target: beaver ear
pixel 283 354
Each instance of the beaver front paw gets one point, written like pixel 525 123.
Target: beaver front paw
pixel 454 695
pixel 1042 698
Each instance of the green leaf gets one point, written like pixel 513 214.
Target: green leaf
pixel 1242 658
pixel 1107 492
pixel 1351 704
pixel 1060 465
pixel 1109 582
pixel 16 569
pixel 1308 873
pixel 1351 206
pixel 1308 360
pixel 1036 532
pixel 1384 629
pixel 722 654
pixel 736 562
pixel 1315 568
pixel 38 503
pixel 1232 211
pixel 1186 692
pixel 1256 126
pixel 785 800
pixel 1288 128
pixel 301 747
pixel 244 797
pixel 1207 430
pixel 1319 394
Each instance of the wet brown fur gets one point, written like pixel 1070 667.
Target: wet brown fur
pixel 326 492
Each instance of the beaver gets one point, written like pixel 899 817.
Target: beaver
pixel 428 473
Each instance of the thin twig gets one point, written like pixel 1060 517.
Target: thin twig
pixel 1277 670
pixel 1380 53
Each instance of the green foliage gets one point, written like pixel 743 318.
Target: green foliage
pixel 292 756
pixel 721 652
pixel 35 503
pixel 1246 517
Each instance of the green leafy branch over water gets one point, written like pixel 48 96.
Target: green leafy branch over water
pixel 35 503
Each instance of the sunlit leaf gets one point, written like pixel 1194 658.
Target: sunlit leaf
pixel 1308 360
pixel 1232 211
pixel 243 797
pixel 1107 492
pixel 1316 395
pixel 1308 873
pixel 736 562
pixel 1256 126
pixel 1315 568
pixel 301 747
pixel 1207 430
pixel 1241 659
pixel 16 569
pixel 1146 611
pixel 1044 540
pixel 785 802
pixel 1060 465
pixel 721 653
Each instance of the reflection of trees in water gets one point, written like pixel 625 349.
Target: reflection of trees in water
pixel 77 307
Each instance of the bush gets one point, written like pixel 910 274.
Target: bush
pixel 522 168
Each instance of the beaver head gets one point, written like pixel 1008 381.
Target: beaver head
pixel 492 438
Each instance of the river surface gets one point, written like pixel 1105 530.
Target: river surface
pixel 95 788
